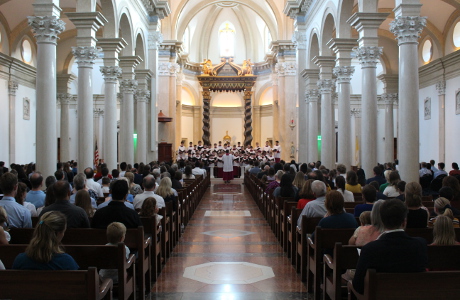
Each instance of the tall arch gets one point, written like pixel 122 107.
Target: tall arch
pixel 345 10
pixel 126 33
pixel 328 29
pixel 140 51
pixel 313 50
pixel 108 10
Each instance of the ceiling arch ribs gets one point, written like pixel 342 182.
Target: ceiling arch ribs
pixel 249 39
pixel 205 38
pixel 182 24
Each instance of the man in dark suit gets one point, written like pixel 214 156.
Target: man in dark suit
pixel 393 251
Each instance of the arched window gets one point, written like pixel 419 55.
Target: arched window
pixel 26 51
pixel 456 35
pixel 427 51
pixel 227 39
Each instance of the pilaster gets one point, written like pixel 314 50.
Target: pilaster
pixel 441 88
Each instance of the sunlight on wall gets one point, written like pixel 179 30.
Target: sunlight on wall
pixel 187 97
pixel 226 100
pixel 267 97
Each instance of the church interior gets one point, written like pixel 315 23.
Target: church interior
pixel 352 82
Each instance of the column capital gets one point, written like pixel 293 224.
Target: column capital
pixel 368 55
pixel 12 88
pixel 342 49
pixel 355 112
pixel 46 28
pixel 325 86
pixel 85 55
pixel 128 86
pixel 142 95
pixel 97 112
pixel 441 87
pixel 299 38
pixel 286 69
pixel 390 82
pixel 367 25
pixel 407 29
pixel 325 63
pixel 389 98
pixel 64 98
pixel 129 63
pixel 168 69
pixel 344 73
pixel 312 95
pixel 155 38
pixel 110 73
pixel 111 48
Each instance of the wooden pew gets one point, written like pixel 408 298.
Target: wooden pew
pixel 323 239
pixel 151 228
pixel 403 286
pixel 69 285
pixel 292 242
pixel 165 233
pixel 308 226
pixel 134 239
pixel 101 257
pixel 284 213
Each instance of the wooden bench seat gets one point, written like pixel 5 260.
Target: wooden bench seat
pixel 308 226
pixel 69 285
pixel 86 256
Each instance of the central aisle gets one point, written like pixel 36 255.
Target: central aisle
pixel 228 252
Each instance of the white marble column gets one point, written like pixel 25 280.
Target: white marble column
pixel 178 117
pixel 276 135
pixel 407 27
pixel 441 87
pixel 256 124
pixel 12 88
pixel 368 54
pixel 389 99
pixel 344 74
pixel 313 97
pixel 299 39
pixel 356 119
pixel 155 38
pixel 327 132
pixel 110 74
pixel 142 98
pixel 128 87
pixel 64 99
pixel 46 29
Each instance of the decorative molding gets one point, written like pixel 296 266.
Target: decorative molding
pixel 427 108
pixel 128 86
pixel 12 88
pixel 168 69
pixel 407 29
pixel 286 69
pixel 26 108
pixel 154 40
pixel 312 95
pixel 46 28
pixel 325 86
pixel 368 56
pixel 97 112
pixel 441 87
pixel 389 98
pixel 355 112
pixel 85 55
pixel 111 73
pixel 299 38
pixel 344 73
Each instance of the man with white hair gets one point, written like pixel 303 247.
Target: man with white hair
pixel 315 208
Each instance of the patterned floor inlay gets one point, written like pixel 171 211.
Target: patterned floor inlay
pixel 228 233
pixel 227 213
pixel 228 273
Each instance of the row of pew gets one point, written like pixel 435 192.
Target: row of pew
pixel 150 248
pixel 323 272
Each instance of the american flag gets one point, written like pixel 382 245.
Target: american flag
pixel 96 156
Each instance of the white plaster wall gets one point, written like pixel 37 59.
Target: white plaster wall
pixel 452 124
pixel 267 129
pixel 429 129
pixel 98 80
pixel 25 129
pixel 187 129
pixel 4 102
pixel 234 126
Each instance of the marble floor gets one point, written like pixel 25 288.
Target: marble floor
pixel 228 252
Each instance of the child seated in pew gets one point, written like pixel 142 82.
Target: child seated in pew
pixel 443 232
pixel 44 251
pixel 150 209
pixel 106 185
pixel 116 233
pixel 442 208
pixel 368 232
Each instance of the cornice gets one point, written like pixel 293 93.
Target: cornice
pixel 20 72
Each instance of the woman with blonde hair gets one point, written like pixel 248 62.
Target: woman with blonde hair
pixel 83 200
pixel 368 232
pixel 299 180
pixel 443 232
pixel 165 190
pixel 418 214
pixel 442 208
pixel 44 251
pixel 134 189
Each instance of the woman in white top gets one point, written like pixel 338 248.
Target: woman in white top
pixel 391 190
pixel 340 183
pixel 21 196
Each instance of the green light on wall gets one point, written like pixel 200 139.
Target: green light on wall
pixel 135 136
pixel 319 138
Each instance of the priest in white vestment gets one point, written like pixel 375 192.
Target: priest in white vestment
pixel 227 159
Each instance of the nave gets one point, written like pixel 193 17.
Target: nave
pixel 228 252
